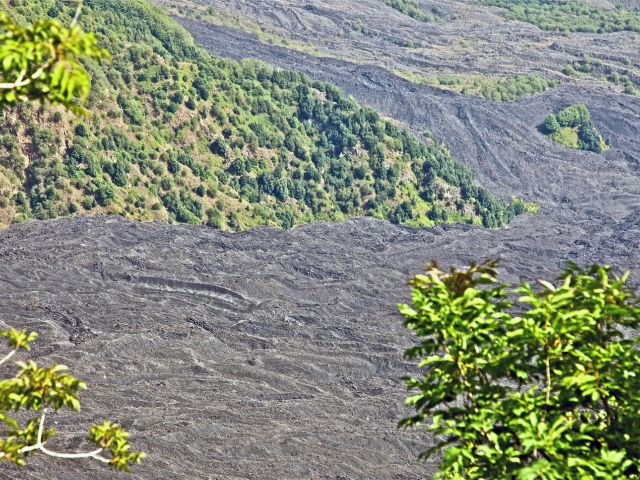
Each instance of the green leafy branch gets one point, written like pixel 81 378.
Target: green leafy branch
pixel 41 390
pixel 527 383
pixel 42 62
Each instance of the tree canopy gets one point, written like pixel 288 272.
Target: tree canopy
pixel 527 383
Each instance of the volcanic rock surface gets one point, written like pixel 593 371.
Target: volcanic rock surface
pixel 467 38
pixel 272 354
pixel 266 354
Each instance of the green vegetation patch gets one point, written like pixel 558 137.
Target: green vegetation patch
pixel 596 68
pixel 413 9
pixel 527 382
pixel 500 89
pixel 572 127
pixel 569 15
pixel 180 136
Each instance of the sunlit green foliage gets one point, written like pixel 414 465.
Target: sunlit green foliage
pixel 413 9
pixel 176 135
pixel 570 15
pixel 625 80
pixel 527 383
pixel 596 68
pixel 41 391
pixel 41 61
pixel 499 89
pixel 573 128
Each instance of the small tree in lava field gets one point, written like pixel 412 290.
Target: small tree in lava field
pixel 545 386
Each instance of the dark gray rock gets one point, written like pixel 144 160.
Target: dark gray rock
pixel 266 354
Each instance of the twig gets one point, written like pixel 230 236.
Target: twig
pixel 8 356
pixel 40 446
pixel 76 17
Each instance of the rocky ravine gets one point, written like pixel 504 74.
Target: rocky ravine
pixel 274 354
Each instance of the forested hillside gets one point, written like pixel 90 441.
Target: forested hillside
pixel 178 135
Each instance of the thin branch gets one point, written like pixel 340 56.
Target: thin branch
pixel 16 84
pixel 76 17
pixel 548 373
pixel 41 427
pixel 19 83
pixel 93 454
pixel 8 356
pixel 40 446
pixel 23 72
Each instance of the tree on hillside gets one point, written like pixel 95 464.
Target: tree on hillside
pixel 544 386
pixel 574 116
pixel 41 62
pixel 590 138
pixel 551 123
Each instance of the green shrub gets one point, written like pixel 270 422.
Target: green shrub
pixel 219 147
pixel 574 116
pixel 527 383
pixel 574 129
pixel 551 124
pixel 215 218
pixel 566 136
pixel 105 193
pixel 590 139
pixel 413 9
pixel 499 89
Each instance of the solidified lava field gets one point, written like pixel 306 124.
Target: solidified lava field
pixel 266 354
pixel 272 354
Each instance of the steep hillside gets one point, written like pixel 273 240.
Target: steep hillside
pixel 277 354
pixel 178 135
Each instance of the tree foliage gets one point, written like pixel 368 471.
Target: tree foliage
pixel 541 386
pixel 42 61
pixel 573 128
pixel 574 116
pixel 551 124
pixel 499 89
pixel 413 9
pixel 37 392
